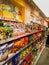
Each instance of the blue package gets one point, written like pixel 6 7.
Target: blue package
pixel 15 59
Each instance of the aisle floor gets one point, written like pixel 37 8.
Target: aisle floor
pixel 44 59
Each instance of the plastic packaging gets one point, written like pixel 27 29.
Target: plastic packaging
pixel 3 52
pixel 15 59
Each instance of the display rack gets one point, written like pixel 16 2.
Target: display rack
pixel 4 62
pixel 29 32
pixel 18 37
pixel 38 56
pixel 31 52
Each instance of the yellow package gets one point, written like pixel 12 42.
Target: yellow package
pixel 7 14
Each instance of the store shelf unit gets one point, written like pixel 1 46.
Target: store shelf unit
pixel 28 54
pixel 18 37
pixel 38 56
pixel 33 36
pixel 31 52
pixel 4 62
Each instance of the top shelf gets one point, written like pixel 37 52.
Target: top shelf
pixel 18 37
pixel 2 19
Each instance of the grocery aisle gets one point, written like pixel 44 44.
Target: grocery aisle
pixel 23 32
pixel 44 59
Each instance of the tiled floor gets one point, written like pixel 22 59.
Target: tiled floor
pixel 44 59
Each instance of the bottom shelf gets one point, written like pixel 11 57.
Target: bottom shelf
pixel 38 56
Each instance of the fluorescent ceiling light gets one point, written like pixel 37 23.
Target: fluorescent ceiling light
pixel 43 5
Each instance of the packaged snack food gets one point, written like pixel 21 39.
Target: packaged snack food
pixel 3 52
pixel 23 54
pixel 2 34
pixel 28 57
pixel 30 47
pixel 10 46
pixel 15 59
pixel 5 31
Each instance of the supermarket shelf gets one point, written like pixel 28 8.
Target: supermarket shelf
pixel 2 19
pixel 28 54
pixel 4 62
pixel 18 37
pixel 38 56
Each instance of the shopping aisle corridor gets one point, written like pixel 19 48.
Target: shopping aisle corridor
pixel 44 59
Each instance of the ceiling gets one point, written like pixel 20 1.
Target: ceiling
pixel 43 5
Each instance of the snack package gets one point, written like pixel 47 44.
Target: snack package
pixel 3 52
pixel 2 34
pixel 15 59
pixel 5 31
pixel 10 46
